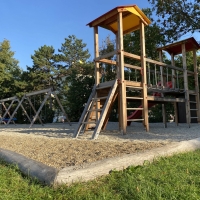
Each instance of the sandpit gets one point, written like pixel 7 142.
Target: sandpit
pixel 53 145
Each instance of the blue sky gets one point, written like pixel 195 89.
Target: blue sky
pixel 28 25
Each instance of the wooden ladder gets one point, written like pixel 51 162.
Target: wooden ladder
pixel 135 109
pixel 196 106
pixel 97 108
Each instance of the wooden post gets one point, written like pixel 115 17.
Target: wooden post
pixel 144 77
pixel 162 95
pixel 96 51
pixel 174 86
pixel 118 77
pixel 187 100
pixel 97 73
pixel 122 89
pixel 196 84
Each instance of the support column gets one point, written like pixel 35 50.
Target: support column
pixel 144 77
pixel 122 89
pixel 196 84
pixel 162 95
pixel 118 78
pixel 97 74
pixel 187 100
pixel 96 54
pixel 174 86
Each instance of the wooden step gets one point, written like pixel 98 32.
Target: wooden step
pixel 99 98
pixel 91 110
pixel 134 108
pixel 134 87
pixel 134 98
pixel 89 122
pixel 135 120
pixel 192 101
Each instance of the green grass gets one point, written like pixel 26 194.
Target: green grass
pixel 176 177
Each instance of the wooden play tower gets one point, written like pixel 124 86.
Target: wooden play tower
pixel 123 20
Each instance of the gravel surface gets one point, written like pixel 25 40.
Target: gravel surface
pixel 53 144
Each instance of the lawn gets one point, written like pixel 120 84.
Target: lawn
pixel 176 177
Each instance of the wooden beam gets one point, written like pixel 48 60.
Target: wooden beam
pixel 163 64
pixel 187 98
pixel 144 77
pixel 96 54
pixel 130 55
pixel 122 88
pixel 97 72
pixel 174 86
pixel 162 95
pixel 132 66
pixel 111 62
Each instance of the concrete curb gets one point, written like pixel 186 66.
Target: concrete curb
pixel 50 176
pixel 32 168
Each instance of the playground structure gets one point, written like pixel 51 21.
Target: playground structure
pixel 122 20
pixel 47 93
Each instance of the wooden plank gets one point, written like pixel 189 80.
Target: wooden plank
pixel 174 86
pixel 118 77
pixel 111 62
pixel 122 86
pixel 134 108
pixel 130 55
pixel 106 84
pixel 162 95
pixel 144 77
pixel 132 66
pixel 96 54
pixel 132 83
pixel 106 55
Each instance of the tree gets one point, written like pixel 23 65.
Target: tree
pixel 79 89
pixel 177 17
pixel 10 79
pixel 72 52
pixel 44 70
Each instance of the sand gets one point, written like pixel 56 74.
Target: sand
pixel 53 144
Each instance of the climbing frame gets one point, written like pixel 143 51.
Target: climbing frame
pixel 120 21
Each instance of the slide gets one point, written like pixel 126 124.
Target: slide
pixel 138 113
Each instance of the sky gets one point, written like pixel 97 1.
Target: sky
pixel 28 25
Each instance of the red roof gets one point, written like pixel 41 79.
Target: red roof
pixel 176 48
